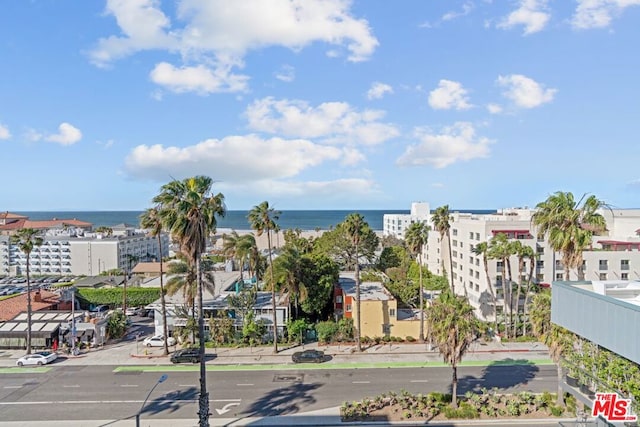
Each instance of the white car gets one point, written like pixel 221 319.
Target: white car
pixel 41 358
pixel 158 341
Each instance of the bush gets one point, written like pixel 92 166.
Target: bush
pixel 326 331
pixel 410 339
pixel 556 411
pixel 465 411
pixel 113 296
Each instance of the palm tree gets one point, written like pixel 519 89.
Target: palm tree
pixel 501 248
pixel 452 326
pixel 188 209
pixel 356 227
pixel 532 257
pixel 26 239
pixel 416 237
pixel 557 339
pixel 289 275
pixel 150 220
pixel 442 224
pixel 570 225
pixel 482 248
pixel 262 219
pixel 239 248
pixel 130 260
pixel 523 252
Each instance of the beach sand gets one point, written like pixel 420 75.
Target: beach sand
pixel 277 239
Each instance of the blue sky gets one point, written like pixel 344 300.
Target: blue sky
pixel 311 104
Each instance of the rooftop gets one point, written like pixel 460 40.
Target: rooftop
pixel 369 291
pixel 12 307
pixel 622 290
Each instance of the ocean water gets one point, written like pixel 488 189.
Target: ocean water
pixel 235 220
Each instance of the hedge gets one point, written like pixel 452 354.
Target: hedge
pixel 113 297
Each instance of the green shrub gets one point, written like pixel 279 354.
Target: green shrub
pixel 113 297
pixel 326 331
pixel 464 411
pixel 410 339
pixel 556 411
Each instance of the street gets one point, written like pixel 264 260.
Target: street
pixel 96 392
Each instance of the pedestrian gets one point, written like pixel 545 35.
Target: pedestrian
pixel 55 345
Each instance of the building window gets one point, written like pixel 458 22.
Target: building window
pixel 624 276
pixel 339 299
pixel 558 276
pixel 470 260
pixel 603 276
pixel 454 264
pixel 477 236
pixel 392 312
pixel 348 308
pixel 540 263
pixel 455 275
pixel 455 243
pixel 624 264
pixel 540 250
pixel 461 244
pixel 603 264
pixel 470 272
pixel 499 266
pixel 455 232
pixel 477 275
pixel 386 329
pixel 471 235
pixel 477 287
pixel 478 261
pixel 455 254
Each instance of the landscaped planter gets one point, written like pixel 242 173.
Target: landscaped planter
pixel 573 382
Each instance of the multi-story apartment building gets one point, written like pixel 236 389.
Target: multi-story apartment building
pixel 396 224
pixel 71 250
pixel 615 255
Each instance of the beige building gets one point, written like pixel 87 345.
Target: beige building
pixel 379 310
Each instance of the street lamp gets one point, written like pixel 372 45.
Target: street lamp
pixel 162 379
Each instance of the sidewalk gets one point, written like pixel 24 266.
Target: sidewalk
pixel 130 353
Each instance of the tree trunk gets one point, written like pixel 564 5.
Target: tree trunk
pixel 124 293
pixel 560 399
pixel 453 286
pixel 203 400
pixel 505 297
pixel 273 296
pixel 520 268
pixel 492 292
pixel 525 309
pixel 358 343
pixel 28 306
pixel 510 288
pixel 421 336
pixel 454 387
pixel 165 328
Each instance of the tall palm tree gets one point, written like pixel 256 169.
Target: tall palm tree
pixel 26 239
pixel 150 220
pixel 356 227
pixel 442 224
pixel 556 338
pixel 416 237
pixel 130 260
pixel 452 326
pixel 523 252
pixel 501 248
pixel 288 272
pixel 238 247
pixel 482 249
pixel 262 219
pixel 532 257
pixel 570 225
pixel 188 209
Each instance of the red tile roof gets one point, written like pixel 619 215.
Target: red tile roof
pixel 27 223
pixel 11 307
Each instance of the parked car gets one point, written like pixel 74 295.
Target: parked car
pixel 100 310
pixel 158 341
pixel 186 355
pixel 134 311
pixel 309 356
pixel 40 358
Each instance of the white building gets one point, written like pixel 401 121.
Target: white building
pixel 614 256
pixel 76 251
pixel 396 224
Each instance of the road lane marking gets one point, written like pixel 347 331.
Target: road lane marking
pixel 244 384
pixel 361 382
pixel 186 385
pixel 419 381
pixel 71 386
pixel 12 386
pixel 108 402
pixel 129 385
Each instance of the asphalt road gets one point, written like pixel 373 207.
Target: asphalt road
pixel 96 392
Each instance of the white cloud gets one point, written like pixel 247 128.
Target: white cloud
pixel 378 90
pixel 494 108
pixel 455 143
pixel 466 9
pixel 449 95
pixel 215 35
pixel 346 189
pixel 532 14
pixel 334 122
pixel 525 92
pixel 286 73
pixel 4 132
pixel 233 158
pixel 199 79
pixel 437 185
pixel 67 135
pixel 599 13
